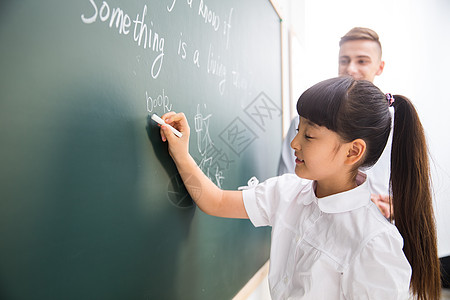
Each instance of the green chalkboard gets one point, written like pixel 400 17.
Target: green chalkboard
pixel 91 205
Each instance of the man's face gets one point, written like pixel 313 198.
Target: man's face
pixel 360 59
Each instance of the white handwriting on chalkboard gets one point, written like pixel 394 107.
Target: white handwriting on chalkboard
pixel 196 58
pixel 227 28
pixel 162 100
pixel 213 159
pixel 182 51
pixel 210 16
pixel 169 9
pixel 142 34
pixel 238 81
pixel 182 47
pixel 215 67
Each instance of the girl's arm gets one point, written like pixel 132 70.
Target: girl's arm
pixel 208 197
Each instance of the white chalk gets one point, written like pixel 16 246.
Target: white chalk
pixel 161 122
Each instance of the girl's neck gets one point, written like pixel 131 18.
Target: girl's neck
pixel 324 188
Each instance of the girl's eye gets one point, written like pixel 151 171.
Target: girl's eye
pixel 308 137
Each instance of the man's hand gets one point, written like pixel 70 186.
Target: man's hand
pixel 382 202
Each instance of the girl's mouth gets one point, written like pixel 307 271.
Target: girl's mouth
pixel 299 161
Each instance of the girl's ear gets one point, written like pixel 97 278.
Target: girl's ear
pixel 356 151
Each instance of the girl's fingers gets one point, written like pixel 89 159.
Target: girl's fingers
pixel 163 136
pixel 182 119
pixel 177 120
pixel 166 117
pixel 166 133
pixel 173 118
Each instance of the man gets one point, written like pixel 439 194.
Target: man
pixel 360 54
pixel 359 57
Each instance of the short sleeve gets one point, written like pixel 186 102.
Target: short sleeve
pixel 379 271
pixel 262 201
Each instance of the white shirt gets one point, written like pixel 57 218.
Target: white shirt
pixel 378 174
pixel 336 247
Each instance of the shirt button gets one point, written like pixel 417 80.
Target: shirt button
pixel 285 279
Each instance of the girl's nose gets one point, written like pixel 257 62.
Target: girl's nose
pixel 294 143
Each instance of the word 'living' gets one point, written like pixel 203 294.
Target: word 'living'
pixel 122 21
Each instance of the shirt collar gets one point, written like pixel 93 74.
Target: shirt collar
pixel 345 201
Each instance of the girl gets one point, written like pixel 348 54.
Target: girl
pixel 329 241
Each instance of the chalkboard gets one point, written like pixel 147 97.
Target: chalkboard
pixel 91 205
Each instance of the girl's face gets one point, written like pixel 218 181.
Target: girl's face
pixel 320 154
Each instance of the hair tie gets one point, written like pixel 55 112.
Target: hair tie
pixel 390 99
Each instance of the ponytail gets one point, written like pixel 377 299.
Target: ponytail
pixel 411 196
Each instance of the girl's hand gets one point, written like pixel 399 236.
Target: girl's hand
pixel 178 147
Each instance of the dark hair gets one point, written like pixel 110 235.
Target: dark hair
pixel 412 200
pixel 361 33
pixel 357 109
pixel 342 105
